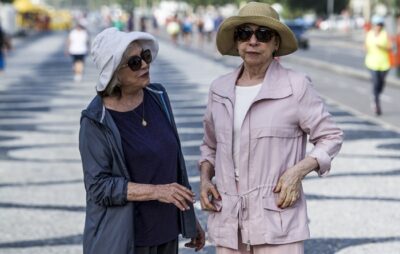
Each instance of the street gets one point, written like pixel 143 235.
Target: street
pixel 42 198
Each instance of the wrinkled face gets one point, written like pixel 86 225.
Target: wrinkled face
pixel 136 78
pixel 256 44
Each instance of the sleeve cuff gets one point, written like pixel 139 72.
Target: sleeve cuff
pixel 125 192
pixel 209 159
pixel 323 159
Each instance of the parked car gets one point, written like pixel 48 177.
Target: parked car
pixel 299 28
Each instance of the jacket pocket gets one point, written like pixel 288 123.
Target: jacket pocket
pixel 280 221
pixel 217 204
pixel 284 132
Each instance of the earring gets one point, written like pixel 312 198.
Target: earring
pixel 274 53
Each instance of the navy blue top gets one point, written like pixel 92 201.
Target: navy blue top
pixel 151 155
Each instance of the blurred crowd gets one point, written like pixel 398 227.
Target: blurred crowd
pixel 182 23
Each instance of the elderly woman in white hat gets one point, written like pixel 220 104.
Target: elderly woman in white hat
pixel 255 132
pixel 137 192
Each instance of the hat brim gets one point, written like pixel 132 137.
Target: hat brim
pixel 225 36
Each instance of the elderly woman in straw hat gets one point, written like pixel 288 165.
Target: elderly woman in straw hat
pixel 137 191
pixel 255 132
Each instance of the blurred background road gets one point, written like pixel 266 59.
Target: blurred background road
pixel 42 200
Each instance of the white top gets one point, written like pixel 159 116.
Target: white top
pixel 208 23
pixel 244 96
pixel 78 42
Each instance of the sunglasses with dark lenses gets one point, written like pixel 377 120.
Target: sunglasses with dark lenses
pixel 263 34
pixel 135 62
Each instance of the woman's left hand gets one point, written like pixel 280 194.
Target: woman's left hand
pixel 198 241
pixel 289 184
pixel 288 187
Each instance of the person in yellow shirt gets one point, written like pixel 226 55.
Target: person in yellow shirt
pixel 377 45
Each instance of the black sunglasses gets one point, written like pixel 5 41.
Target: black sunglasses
pixel 263 34
pixel 135 62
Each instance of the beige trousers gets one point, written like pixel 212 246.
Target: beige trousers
pixel 290 248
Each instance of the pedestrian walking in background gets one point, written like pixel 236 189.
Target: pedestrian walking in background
pixel 208 28
pixel 200 30
pixel 77 47
pixel 187 29
pixel 143 23
pixel 174 28
pixel 119 24
pixel 377 46
pixel 138 195
pixel 217 21
pixel 5 46
pixel 154 24
pixel 130 24
pixel 255 134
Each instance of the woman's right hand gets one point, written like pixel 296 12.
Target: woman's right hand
pixel 208 192
pixel 176 194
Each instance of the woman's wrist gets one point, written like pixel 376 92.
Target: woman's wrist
pixel 142 192
pixel 305 166
pixel 206 172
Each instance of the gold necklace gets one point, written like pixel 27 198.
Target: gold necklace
pixel 144 122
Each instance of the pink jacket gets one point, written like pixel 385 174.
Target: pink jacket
pixel 273 139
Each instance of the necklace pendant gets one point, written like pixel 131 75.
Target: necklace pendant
pixel 144 123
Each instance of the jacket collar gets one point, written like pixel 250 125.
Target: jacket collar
pixel 276 83
pixel 95 111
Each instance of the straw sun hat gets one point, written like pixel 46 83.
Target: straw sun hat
pixel 260 14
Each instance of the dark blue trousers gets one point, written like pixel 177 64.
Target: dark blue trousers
pixel 166 248
pixel 378 81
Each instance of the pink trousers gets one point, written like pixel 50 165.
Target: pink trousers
pixel 290 248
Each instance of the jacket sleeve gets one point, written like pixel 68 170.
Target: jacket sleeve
pixel 209 144
pixel 104 188
pixel 316 121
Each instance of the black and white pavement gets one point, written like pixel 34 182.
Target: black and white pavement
pixel 355 210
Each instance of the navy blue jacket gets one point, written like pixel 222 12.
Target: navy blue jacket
pixel 109 224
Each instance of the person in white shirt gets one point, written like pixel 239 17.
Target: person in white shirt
pixel 77 48
pixel 245 96
pixel 208 26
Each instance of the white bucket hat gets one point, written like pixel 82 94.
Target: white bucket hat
pixel 108 47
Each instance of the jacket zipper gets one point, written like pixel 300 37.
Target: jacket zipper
pixel 248 175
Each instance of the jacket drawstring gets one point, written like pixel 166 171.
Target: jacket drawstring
pixel 240 207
